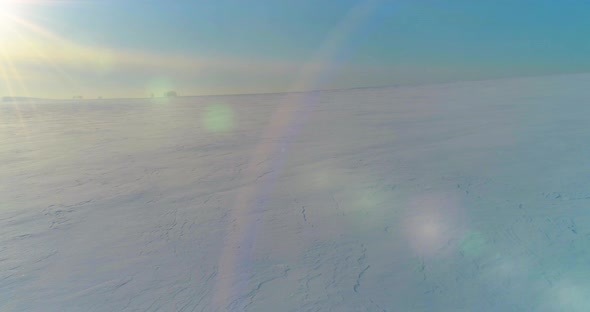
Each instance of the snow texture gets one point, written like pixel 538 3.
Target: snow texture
pixel 468 196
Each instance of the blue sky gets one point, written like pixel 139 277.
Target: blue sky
pixel 132 48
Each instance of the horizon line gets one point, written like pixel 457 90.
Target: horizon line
pixel 26 98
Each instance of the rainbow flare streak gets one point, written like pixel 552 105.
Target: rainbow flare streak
pixel 287 120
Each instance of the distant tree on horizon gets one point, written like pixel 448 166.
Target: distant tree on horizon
pixel 171 94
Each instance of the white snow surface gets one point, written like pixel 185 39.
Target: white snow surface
pixel 469 196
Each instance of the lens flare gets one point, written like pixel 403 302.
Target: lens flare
pixel 286 121
pixel 218 118
pixel 432 222
pixel 473 244
pixel 23 41
pixel 159 87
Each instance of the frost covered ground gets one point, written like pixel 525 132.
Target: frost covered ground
pixel 469 196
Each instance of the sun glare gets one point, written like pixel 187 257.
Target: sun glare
pixel 8 7
pixel 9 10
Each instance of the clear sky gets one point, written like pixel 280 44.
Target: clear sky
pixel 131 48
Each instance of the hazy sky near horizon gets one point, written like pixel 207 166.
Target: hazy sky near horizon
pixel 132 48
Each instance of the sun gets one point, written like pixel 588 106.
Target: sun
pixel 9 8
pixel 16 37
pixel 9 11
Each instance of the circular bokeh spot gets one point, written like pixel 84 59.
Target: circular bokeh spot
pixel 218 118
pixel 367 200
pixel 104 63
pixel 473 244
pixel 160 88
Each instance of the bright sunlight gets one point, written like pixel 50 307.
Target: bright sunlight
pixel 9 10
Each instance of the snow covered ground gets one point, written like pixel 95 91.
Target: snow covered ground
pixel 469 196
